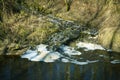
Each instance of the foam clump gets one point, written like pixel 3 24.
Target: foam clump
pixel 29 54
pixel 89 46
pixel 115 61
pixel 41 54
pixel 69 50
pixel 65 55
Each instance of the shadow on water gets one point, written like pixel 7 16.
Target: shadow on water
pixel 15 68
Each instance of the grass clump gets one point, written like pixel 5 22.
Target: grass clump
pixel 22 31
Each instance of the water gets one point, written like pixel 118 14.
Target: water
pixel 85 53
pixel 16 68
pixel 86 62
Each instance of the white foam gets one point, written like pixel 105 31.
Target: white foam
pixel 42 54
pixel 52 57
pixel 42 48
pixel 89 46
pixel 79 63
pixel 40 57
pixel 109 50
pixel 115 61
pixel 92 61
pixel 70 50
pixel 29 54
pixel 83 63
pixel 65 60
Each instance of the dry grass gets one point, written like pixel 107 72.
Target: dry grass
pixel 109 27
pixel 22 30
pixel 105 36
pixel 116 41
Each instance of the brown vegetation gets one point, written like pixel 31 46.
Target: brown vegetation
pixel 22 27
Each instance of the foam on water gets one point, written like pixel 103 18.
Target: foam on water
pixel 52 57
pixel 83 62
pixel 115 61
pixel 92 61
pixel 67 60
pixel 69 50
pixel 39 57
pixel 89 46
pixel 79 63
pixel 42 54
pixel 29 54
pixel 46 57
pixel 42 48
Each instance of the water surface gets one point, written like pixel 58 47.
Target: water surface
pixel 16 68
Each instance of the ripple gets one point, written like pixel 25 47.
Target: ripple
pixel 115 62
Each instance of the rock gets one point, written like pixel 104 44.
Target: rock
pixel 68 32
pixel 62 37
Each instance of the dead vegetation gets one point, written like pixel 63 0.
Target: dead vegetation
pixel 22 26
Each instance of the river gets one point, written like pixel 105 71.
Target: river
pixel 79 67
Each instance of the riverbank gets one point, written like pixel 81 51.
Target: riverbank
pixel 26 24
